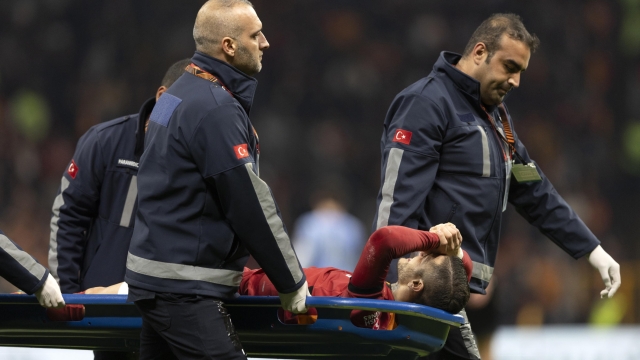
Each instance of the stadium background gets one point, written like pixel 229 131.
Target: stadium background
pixel 330 74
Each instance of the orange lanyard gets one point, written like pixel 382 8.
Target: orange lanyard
pixel 498 135
pixel 197 71
pixel 508 134
pixel 507 128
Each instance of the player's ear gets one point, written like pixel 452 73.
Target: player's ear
pixel 416 285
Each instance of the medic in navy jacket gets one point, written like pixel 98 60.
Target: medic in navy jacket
pixel 93 213
pixel 443 162
pixel 92 220
pixel 202 206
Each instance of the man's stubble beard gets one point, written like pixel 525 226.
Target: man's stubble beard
pixel 401 270
pixel 246 62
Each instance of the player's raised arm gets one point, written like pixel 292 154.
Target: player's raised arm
pixel 384 245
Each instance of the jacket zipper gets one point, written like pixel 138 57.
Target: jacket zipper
pixel 501 176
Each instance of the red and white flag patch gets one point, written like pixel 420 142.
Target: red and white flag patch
pixel 72 170
pixel 402 136
pixel 241 151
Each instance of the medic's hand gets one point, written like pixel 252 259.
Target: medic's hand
pixel 450 239
pixel 49 294
pixel 295 301
pixel 609 270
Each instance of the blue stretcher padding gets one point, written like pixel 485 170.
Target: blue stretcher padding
pixel 110 323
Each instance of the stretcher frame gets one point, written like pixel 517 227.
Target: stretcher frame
pixel 110 323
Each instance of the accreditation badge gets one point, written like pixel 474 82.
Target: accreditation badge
pixel 526 173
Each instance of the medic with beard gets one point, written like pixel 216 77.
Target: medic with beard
pixel 450 153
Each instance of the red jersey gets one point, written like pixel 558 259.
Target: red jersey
pixel 322 282
pixel 367 280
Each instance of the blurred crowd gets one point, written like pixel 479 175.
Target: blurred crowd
pixel 330 74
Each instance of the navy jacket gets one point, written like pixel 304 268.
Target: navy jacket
pixel 93 213
pixel 442 161
pixel 19 268
pixel 202 205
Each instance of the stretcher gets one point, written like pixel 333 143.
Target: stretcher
pixel 110 323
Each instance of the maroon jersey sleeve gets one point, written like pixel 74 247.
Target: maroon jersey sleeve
pixel 468 264
pixel 384 245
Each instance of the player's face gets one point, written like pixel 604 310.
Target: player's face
pixel 251 42
pixel 502 72
pixel 407 268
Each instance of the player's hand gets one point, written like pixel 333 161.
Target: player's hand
pixel 450 239
pixel 49 294
pixel 609 270
pixel 295 302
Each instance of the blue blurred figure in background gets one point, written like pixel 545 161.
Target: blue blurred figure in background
pixel 328 235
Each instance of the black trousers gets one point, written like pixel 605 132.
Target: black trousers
pixel 187 327
pixel 460 345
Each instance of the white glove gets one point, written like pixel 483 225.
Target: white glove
pixel 609 270
pixel 49 294
pixel 295 301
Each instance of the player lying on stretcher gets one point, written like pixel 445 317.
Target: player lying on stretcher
pixel 438 276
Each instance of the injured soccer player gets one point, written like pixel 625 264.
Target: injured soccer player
pixel 437 276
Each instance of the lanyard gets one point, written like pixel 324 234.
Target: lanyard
pixel 197 71
pixel 508 134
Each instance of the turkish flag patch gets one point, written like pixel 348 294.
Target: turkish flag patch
pixel 402 136
pixel 241 151
pixel 72 170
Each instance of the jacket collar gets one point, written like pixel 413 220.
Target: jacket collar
pixel 143 115
pixel 241 85
pixel 465 83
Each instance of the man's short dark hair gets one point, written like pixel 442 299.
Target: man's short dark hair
pixel 445 286
pixel 175 71
pixel 491 30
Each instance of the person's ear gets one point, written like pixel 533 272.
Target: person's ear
pixel 161 89
pixel 479 53
pixel 229 46
pixel 416 285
